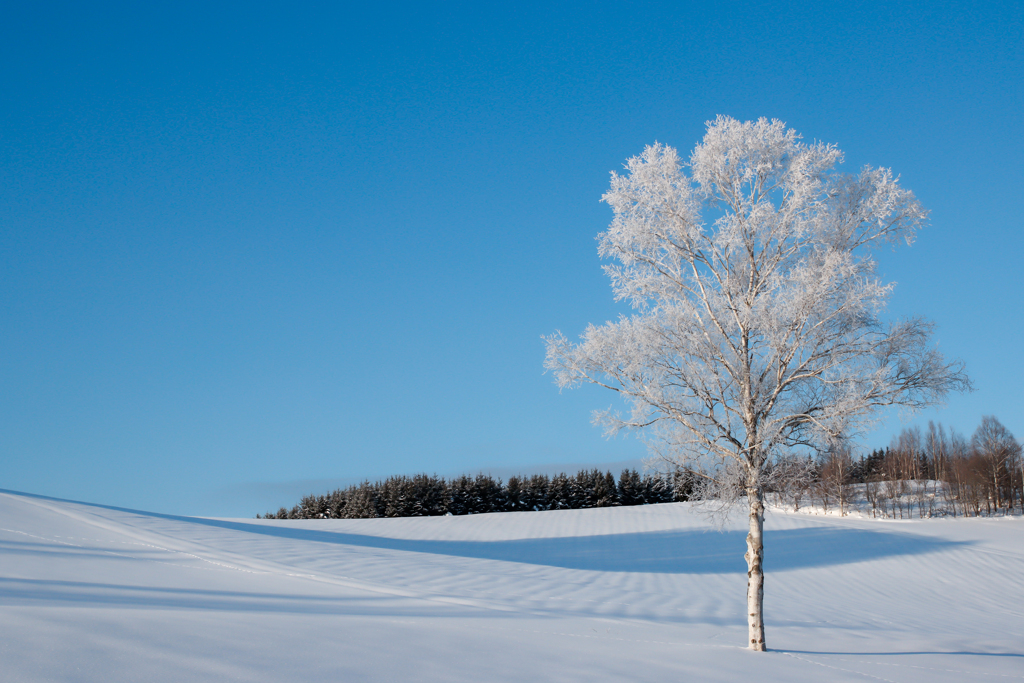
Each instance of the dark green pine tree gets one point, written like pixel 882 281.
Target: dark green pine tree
pixel 459 495
pixel 514 495
pixel 605 492
pixel 338 501
pixel 364 503
pixel 629 488
pixel 581 490
pixel 654 489
pixel 560 492
pixel 873 464
pixel 487 495
pixel 426 496
pixel 535 492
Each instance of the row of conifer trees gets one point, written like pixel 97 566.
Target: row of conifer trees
pixel 937 472
pixel 426 495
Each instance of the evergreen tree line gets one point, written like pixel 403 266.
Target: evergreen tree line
pixel 922 474
pixel 935 472
pixel 426 495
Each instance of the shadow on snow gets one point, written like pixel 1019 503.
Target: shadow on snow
pixel 668 552
pixel 665 552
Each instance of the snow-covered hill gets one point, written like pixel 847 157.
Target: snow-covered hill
pixel 652 593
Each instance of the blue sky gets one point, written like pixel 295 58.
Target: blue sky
pixel 252 250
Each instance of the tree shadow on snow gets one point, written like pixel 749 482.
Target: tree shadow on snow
pixel 668 552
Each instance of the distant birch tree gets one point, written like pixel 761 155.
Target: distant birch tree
pixel 756 327
pixel 997 451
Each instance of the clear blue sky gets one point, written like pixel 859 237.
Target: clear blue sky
pixel 251 249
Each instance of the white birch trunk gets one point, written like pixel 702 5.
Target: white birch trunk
pixel 755 570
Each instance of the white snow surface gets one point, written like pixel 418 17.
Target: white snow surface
pixel 649 593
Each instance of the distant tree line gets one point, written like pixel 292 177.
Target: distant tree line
pixel 425 495
pixel 920 474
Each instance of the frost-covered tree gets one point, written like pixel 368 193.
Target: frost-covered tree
pixel 756 327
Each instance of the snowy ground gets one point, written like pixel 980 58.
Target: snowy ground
pixel 91 593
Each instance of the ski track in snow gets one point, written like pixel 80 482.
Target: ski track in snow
pixel 649 593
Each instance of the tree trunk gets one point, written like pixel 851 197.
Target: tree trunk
pixel 755 570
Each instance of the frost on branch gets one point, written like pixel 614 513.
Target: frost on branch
pixel 756 328
pixel 757 302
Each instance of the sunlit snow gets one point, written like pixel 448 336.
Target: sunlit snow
pixel 649 593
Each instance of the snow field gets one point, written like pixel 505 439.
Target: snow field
pixel 649 593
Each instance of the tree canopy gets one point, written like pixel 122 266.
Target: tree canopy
pixel 757 323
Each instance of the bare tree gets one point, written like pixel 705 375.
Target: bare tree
pixel 893 483
pixel 938 450
pixel 756 327
pixel 907 450
pixel 836 467
pixel 959 475
pixel 871 493
pixel 823 492
pixel 792 477
pixel 997 452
